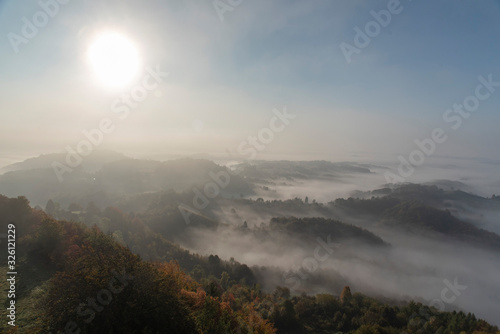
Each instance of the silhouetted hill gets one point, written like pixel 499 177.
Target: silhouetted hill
pixel 416 216
pixel 300 170
pixel 313 227
pixel 432 195
pixel 412 207
pixel 121 178
pixel 90 163
pixel 447 195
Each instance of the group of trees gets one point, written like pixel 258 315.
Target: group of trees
pixel 96 284
pixel 131 231
pixel 100 286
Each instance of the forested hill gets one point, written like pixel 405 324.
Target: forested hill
pixel 420 209
pixel 73 278
pixel 417 216
pixel 104 181
pixel 312 227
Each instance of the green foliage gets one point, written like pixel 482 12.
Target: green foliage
pixel 361 314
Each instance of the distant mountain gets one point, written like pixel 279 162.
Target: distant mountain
pixel 90 163
pixel 433 195
pixel 450 185
pixel 443 194
pixel 111 174
pixel 121 178
pixel 299 170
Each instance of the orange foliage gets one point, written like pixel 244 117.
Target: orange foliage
pixel 195 299
pixel 173 270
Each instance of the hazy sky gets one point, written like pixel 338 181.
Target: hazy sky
pixel 226 76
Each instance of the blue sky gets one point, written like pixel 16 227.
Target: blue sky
pixel 229 75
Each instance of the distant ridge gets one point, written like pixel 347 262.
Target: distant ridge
pixel 91 163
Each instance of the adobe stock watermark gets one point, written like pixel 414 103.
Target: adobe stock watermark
pixel 223 6
pixel 448 296
pixel 247 149
pixel 372 29
pixel 104 297
pixel 31 27
pixel 121 106
pixel 454 118
pixel 293 279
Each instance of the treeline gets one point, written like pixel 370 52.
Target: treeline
pixel 146 235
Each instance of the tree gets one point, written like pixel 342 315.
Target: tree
pixel 224 280
pixel 47 239
pixel 115 292
pixel 198 272
pixel 281 292
pixel 285 318
pixel 346 295
pixel 214 260
pixel 50 208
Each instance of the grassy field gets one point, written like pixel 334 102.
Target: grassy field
pixel 28 295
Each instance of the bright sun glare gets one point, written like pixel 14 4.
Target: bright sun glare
pixel 114 59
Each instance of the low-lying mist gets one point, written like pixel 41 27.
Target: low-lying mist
pixel 434 270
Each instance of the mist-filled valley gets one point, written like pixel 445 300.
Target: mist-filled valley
pixel 299 225
pixel 249 167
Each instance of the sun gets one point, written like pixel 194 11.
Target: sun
pixel 114 59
